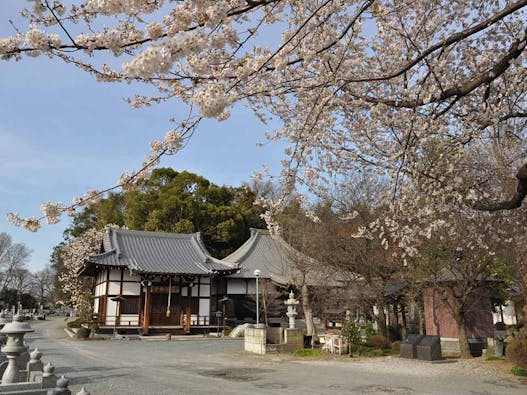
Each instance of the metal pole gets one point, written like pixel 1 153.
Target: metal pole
pixel 257 305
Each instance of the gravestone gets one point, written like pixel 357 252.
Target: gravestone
pixel 429 349
pixel 408 347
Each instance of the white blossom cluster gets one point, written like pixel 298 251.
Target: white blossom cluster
pixel 31 223
pixel 73 255
pixel 52 211
pixel 213 101
pixel 430 99
pixel 173 141
pixel 129 7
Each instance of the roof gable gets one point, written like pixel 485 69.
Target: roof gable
pixel 280 262
pixel 157 252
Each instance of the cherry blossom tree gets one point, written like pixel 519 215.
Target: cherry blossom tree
pixel 429 95
pixel 72 255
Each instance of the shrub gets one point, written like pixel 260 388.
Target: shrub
pixel 366 351
pixel 378 341
pixel 369 331
pixel 308 352
pixel 519 371
pixel 357 349
pixel 396 345
pixel 75 323
pixel 376 352
pixel 83 333
pixel 517 349
pixel 351 331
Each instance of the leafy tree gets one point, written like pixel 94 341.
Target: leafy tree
pixel 182 202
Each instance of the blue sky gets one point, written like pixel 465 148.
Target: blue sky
pixel 62 133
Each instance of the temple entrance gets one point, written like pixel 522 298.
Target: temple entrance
pixel 158 310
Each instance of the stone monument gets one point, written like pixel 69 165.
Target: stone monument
pixel 291 304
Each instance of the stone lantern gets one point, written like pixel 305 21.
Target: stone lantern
pixel 4 319
pixel 14 347
pixel 291 309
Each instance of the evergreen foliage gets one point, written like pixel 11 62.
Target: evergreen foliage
pixel 180 202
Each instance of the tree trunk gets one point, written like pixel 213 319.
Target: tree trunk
pixel 308 312
pixel 464 347
pixel 381 320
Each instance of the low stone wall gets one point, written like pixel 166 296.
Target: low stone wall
pixel 255 340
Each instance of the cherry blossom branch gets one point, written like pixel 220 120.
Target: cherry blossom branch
pixel 52 211
pixel 455 38
pixel 487 77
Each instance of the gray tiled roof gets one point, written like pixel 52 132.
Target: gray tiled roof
pixel 156 252
pixel 270 254
pixel 278 261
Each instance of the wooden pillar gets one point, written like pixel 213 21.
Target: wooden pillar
pixel 146 321
pixel 189 296
pixel 141 308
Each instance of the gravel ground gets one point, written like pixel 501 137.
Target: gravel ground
pixel 217 366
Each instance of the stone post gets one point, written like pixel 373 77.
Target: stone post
pixel 34 366
pixel 61 388
pixel 83 391
pixel 49 380
pixel 14 347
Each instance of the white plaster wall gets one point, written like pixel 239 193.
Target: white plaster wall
pixel 195 290
pixel 204 307
pixel 204 290
pixel 114 288
pixel 96 306
pixel 99 289
pixel 115 274
pixel 129 277
pixel 131 289
pixel 236 286
pixel 111 311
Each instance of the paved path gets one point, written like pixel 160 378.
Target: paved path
pixel 216 366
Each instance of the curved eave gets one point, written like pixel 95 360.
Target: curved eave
pixel 90 269
pixel 205 272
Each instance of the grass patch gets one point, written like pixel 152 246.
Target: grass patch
pixel 367 351
pixel 494 358
pixel 518 371
pixel 308 352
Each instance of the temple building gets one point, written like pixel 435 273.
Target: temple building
pixel 153 280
